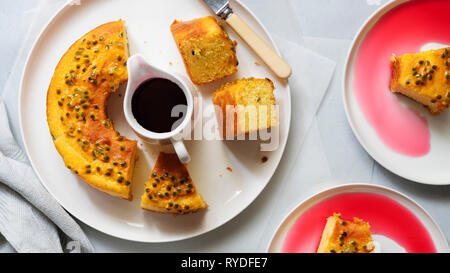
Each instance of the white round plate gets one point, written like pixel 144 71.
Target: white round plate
pixel 427 221
pixel 227 192
pixel 425 169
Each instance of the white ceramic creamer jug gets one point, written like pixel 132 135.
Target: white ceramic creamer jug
pixel 140 71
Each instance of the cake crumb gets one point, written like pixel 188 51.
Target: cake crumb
pixel 170 63
pixel 229 169
pixel 257 63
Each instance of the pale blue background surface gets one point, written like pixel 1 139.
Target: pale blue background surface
pixel 325 26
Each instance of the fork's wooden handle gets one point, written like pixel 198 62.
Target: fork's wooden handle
pixel 262 49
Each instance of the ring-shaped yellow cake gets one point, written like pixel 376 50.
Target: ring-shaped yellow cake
pixel 88 73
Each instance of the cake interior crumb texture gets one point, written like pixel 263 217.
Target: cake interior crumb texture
pixel 208 52
pixel 246 105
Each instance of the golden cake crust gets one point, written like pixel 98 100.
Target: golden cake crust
pixel 243 95
pixel 170 189
pixel 424 77
pixel 340 236
pixel 207 51
pixel 91 70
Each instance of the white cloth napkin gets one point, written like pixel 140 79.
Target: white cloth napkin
pixel 29 216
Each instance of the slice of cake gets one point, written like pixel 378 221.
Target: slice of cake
pixel 340 236
pixel 170 188
pixel 207 51
pixel 246 106
pixel 424 77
